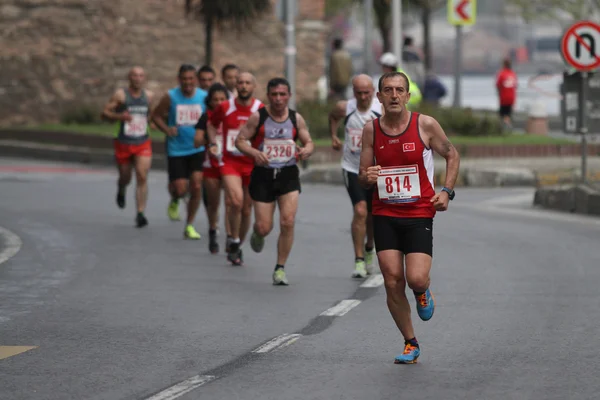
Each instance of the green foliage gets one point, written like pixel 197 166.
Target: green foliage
pixel 316 115
pixel 551 9
pixel 464 121
pixel 455 121
pixel 80 114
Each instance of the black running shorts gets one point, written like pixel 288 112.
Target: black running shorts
pixel 356 192
pixel 267 184
pixel 408 235
pixel 182 167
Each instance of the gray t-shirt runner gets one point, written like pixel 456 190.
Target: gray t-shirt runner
pixel 354 123
pixel 136 130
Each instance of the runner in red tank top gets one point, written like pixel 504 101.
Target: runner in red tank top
pixel 217 94
pixel 397 161
pixel 237 167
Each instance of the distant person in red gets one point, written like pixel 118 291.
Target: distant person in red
pixel 506 84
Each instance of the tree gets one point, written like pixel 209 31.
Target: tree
pixel 427 8
pixel 553 9
pixel 219 13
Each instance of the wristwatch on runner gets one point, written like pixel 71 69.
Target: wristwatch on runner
pixel 450 192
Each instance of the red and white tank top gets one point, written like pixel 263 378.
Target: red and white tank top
pixel 233 116
pixel 405 184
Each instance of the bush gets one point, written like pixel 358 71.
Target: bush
pixel 316 115
pixel 81 114
pixel 455 121
pixel 464 121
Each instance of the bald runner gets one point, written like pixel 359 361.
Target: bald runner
pixel 133 148
pixel 356 113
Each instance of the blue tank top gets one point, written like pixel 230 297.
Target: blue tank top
pixel 184 113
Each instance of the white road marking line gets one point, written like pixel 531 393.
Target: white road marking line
pixel 277 343
pixel 182 388
pixel 341 308
pixel 12 245
pixel 373 281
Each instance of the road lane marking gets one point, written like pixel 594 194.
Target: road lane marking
pixel 9 351
pixel 341 308
pixel 373 281
pixel 12 245
pixel 182 388
pixel 277 343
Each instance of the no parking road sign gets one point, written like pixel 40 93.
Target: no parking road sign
pixel 580 46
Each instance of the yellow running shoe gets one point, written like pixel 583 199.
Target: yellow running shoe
pixel 191 233
pixel 173 211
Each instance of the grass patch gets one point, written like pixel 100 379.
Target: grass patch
pixel 101 129
pixel 109 129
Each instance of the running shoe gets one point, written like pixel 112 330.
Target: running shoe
pixel 279 278
pixel 425 305
pixel 257 242
pixel 359 270
pixel 409 356
pixel 191 233
pixel 173 210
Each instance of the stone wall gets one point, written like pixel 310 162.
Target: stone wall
pixel 60 55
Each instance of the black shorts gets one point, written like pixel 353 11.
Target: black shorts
pixel 266 184
pixel 408 235
pixel 182 167
pixel 505 111
pixel 356 192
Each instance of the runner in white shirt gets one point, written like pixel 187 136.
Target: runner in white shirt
pixel 356 113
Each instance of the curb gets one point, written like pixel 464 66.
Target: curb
pixel 472 177
pixel 469 176
pixel 579 199
pixel 52 152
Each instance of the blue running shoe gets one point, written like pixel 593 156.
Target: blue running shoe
pixel 425 305
pixel 409 356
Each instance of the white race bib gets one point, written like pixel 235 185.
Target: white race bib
pixel 188 114
pixel 279 150
pixel 399 184
pixel 232 134
pixel 137 127
pixel 219 143
pixel 355 139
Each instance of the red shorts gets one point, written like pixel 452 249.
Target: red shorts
pixel 125 152
pixel 242 170
pixel 212 173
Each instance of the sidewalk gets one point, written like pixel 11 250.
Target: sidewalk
pixel 476 172
pixel 493 172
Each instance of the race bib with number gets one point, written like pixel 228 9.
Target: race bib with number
pixel 399 184
pixel 232 135
pixel 355 139
pixel 137 127
pixel 188 114
pixel 219 143
pixel 279 150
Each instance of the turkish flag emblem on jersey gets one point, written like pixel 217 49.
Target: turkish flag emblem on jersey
pixel 408 147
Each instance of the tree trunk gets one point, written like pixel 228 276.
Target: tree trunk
pixel 208 48
pixel 426 21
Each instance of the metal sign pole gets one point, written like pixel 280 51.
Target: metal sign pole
pixel 583 124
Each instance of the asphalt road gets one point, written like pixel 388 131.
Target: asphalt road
pixel 120 313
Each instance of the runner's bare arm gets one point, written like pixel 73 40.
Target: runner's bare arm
pixel 304 136
pixel 337 113
pixel 108 113
pixel 200 137
pixel 439 142
pixel 160 113
pixel 367 168
pixel 247 132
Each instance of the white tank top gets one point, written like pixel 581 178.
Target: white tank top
pixel 354 123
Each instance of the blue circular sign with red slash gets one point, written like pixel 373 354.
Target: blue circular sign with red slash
pixel 580 46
